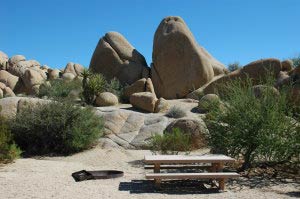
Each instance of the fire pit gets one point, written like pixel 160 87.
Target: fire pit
pixel 93 175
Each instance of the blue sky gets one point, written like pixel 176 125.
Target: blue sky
pixel 55 32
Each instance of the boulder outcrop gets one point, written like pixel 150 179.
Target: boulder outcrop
pixel 115 57
pixel 144 101
pixel 257 71
pixel 179 64
pixel 142 85
pixel 106 99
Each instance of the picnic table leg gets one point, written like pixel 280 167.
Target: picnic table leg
pixel 157 170
pixel 222 184
pixel 221 181
pixel 213 169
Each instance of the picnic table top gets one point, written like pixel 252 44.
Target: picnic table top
pixel 158 159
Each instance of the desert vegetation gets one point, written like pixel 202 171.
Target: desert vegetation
pixel 59 90
pixel 55 128
pixel 254 128
pixel 171 142
pixel 8 149
pixel 176 112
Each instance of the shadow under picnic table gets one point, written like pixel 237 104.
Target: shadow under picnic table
pixel 167 187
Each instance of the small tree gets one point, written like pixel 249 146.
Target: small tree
pixel 8 149
pixel 92 84
pixel 256 129
pixel 296 61
pixel 171 142
pixel 55 127
pixel 234 66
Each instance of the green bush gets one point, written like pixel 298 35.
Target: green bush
pixel 114 86
pixel 59 128
pixel 176 112
pixel 8 149
pixel 92 84
pixel 296 60
pixel 256 129
pixel 58 89
pixel 234 66
pixel 171 142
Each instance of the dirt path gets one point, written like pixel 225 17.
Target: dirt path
pixel 51 178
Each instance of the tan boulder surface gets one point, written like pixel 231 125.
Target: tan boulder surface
pixel 106 99
pixel 287 65
pixel 12 105
pixel 54 73
pixel 136 87
pixel 145 101
pixel 15 59
pixel 196 128
pixel 257 71
pixel 75 69
pixel 141 85
pixel 161 105
pixel 115 57
pixel 179 63
pixel 8 79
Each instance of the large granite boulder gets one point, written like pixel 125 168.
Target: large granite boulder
pixel 115 57
pixel 5 91
pixel 130 129
pixel 144 101
pixel 29 72
pixel 8 79
pixel 142 85
pixel 75 69
pixel 15 59
pixel 53 74
pixel 12 105
pixel 257 71
pixel 106 99
pixel 196 128
pixel 179 64
pixel 161 105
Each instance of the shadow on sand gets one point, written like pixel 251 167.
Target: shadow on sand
pixel 167 187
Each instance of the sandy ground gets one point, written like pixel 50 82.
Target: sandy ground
pixel 51 178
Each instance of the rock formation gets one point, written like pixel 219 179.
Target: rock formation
pixel 180 65
pixel 115 57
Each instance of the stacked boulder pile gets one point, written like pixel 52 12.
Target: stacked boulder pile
pixel 181 68
pixel 21 76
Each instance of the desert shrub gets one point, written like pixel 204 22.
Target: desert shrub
pixel 92 84
pixel 254 129
pixel 176 112
pixel 114 86
pixel 8 149
pixel 171 142
pixel 58 89
pixel 296 60
pixel 59 128
pixel 234 66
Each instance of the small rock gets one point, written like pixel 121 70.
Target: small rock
pixel 145 101
pixel 162 105
pixel 106 99
pixel 207 101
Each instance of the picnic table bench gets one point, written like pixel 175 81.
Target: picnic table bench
pixel 214 165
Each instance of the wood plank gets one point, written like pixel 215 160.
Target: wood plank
pixel 186 159
pixel 178 166
pixel 219 175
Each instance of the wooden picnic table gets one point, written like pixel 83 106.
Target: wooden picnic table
pixel 168 161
